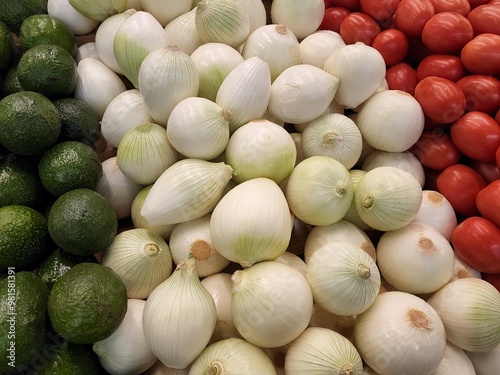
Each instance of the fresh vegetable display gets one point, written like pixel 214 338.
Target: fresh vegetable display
pixel 250 187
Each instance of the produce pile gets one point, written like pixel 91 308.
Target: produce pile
pixel 289 187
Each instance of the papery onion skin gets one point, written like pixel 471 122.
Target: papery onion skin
pixel 400 334
pixel 470 311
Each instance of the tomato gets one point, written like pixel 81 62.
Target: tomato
pixel 497 116
pixel 488 171
pixel 460 184
pixel 379 10
pixel 496 2
pixel 447 32
pixel 435 149
pixel 332 18
pixel 359 27
pixel 482 55
pixel 485 19
pixel 476 3
pixel 441 99
pixel 497 158
pixel 411 16
pixel 477 241
pixel 445 66
pixel 392 45
pixel 482 93
pixel 492 278
pixel 402 77
pixel 488 202
pixel 477 136
pixel 458 6
pixel 352 5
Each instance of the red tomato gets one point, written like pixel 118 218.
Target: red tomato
pixel 497 116
pixel 392 45
pixel 352 5
pixel 477 136
pixel 497 158
pixel 411 16
pixel 482 55
pixel 445 66
pixel 435 149
pixel 485 19
pixel 402 77
pixel 477 241
pixel 379 10
pixel 488 202
pixel 496 2
pixel 359 27
pixel 458 6
pixel 492 278
pixel 332 18
pixel 488 171
pixel 482 93
pixel 460 184
pixel 441 99
pixel 447 32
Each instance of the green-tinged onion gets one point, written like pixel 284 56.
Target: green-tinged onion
pixel 387 198
pixel 187 190
pixel 319 190
pixel 179 317
pixel 181 31
pixel 99 10
pixel 141 258
pixel 245 92
pixel 138 36
pixel 164 231
pixel 144 153
pixel 199 128
pixel 166 13
pixel 352 215
pixel 167 76
pixel 252 222
pixel 126 352
pixel 470 311
pixel 334 135
pixel 321 350
pixel 261 148
pixel 222 21
pixel 232 356
pixel 344 279
pixel 214 61
pixel 126 111
pixel 271 303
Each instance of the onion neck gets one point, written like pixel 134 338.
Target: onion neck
pixel 368 201
pixel 347 369
pixel 363 271
pixel 331 138
pixel 281 29
pixel 419 319
pixel 215 369
pixel 426 245
pixel 151 249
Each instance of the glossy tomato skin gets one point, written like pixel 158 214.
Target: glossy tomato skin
pixel 482 93
pixel 458 6
pixel 411 16
pixel 485 19
pixel 477 241
pixel 445 66
pixel 379 10
pixel 359 27
pixel 477 136
pixel 492 278
pixel 441 99
pixel 402 77
pixel 447 32
pixel 482 55
pixel 488 202
pixel 460 184
pixel 435 150
pixel 332 18
pixel 392 45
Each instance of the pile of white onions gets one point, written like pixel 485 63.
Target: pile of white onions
pixel 231 137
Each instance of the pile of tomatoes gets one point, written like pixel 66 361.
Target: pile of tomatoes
pixel 446 53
